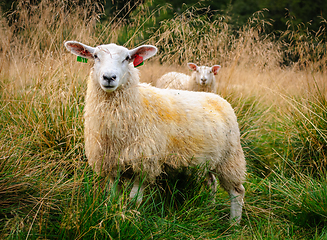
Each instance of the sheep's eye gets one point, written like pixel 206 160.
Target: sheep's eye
pixel 127 58
pixel 95 56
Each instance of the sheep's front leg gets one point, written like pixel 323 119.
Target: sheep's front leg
pixel 116 187
pixel 236 195
pixel 137 190
pixel 212 183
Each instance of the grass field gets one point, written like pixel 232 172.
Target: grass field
pixel 276 84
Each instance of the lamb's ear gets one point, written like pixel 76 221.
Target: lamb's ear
pixel 192 66
pixel 141 53
pixel 215 69
pixel 80 49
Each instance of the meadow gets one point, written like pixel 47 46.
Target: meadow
pixel 275 82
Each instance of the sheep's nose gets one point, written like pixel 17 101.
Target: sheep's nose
pixel 203 80
pixel 109 78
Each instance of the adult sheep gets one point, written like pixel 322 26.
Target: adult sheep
pixel 135 126
pixel 202 79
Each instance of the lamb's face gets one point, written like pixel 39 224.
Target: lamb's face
pixel 111 62
pixel 204 75
pixel 111 66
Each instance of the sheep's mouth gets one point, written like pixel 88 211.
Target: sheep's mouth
pixel 109 86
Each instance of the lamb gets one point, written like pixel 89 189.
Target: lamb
pixel 132 126
pixel 202 79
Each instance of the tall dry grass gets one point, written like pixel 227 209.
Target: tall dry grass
pixel 276 83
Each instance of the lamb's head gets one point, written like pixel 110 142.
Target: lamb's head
pixel 112 63
pixel 204 75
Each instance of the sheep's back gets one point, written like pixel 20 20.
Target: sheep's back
pixel 194 125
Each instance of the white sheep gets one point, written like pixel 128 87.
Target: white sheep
pixel 202 79
pixel 137 127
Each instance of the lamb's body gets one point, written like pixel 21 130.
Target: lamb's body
pixel 174 80
pixel 140 127
pixel 202 79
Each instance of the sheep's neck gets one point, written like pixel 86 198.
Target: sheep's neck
pixel 116 109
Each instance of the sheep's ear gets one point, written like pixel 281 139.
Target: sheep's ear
pixel 192 66
pixel 141 53
pixel 215 69
pixel 80 49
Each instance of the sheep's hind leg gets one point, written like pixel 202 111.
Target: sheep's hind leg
pixel 231 178
pixel 236 195
pixel 137 190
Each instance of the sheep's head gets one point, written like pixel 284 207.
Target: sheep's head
pixel 111 62
pixel 204 75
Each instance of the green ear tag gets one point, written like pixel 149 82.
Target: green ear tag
pixel 81 59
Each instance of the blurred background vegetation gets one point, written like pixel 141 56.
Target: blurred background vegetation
pixel 280 11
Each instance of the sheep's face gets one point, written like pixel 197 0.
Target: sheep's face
pixel 204 75
pixel 111 62
pixel 111 66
